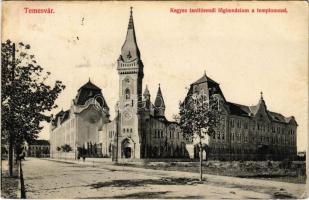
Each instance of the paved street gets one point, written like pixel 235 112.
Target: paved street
pixel 52 179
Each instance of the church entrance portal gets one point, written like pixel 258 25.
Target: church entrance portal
pixel 127 152
pixel 127 148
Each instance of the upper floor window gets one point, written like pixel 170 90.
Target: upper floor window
pixel 127 93
pixel 273 129
pixel 246 125
pixel 232 123
pixel 238 124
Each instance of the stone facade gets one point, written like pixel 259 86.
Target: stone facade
pixel 248 132
pixel 140 129
pixel 79 127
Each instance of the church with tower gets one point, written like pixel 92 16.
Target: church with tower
pixel 141 130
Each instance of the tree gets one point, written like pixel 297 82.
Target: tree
pixel 199 117
pixel 66 148
pixel 25 96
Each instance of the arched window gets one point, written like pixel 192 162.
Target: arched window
pixel 127 93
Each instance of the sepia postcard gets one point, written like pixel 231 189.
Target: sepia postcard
pixel 154 100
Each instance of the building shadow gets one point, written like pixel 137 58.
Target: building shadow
pixel 144 182
pixel 148 195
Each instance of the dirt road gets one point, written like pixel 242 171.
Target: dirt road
pixel 50 179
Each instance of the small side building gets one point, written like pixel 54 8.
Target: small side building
pixel 38 148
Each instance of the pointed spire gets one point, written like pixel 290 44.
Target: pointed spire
pixel 261 98
pixel 159 91
pixel 131 24
pixel 146 91
pixel 159 102
pixel 129 50
pixel 261 102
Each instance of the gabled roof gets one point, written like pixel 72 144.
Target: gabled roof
pixel 212 86
pixel 277 117
pixel 163 119
pixel 89 85
pixel 62 116
pixel 250 111
pixel 237 109
pixel 253 109
pixel 88 91
pixel 203 79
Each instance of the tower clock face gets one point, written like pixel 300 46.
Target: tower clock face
pixel 127 115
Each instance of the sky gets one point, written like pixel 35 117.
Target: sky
pixel 246 53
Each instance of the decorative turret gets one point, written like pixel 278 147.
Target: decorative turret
pixel 261 98
pixel 261 102
pixel 146 94
pixel 159 103
pixel 146 98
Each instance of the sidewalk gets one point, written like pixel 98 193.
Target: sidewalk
pixel 9 185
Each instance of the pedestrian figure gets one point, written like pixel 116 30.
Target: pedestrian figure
pixel 84 158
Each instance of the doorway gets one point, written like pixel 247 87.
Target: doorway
pixel 127 152
pixel 127 148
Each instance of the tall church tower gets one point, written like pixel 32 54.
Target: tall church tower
pixel 130 70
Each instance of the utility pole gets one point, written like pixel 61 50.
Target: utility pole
pixel 117 135
pixel 11 132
